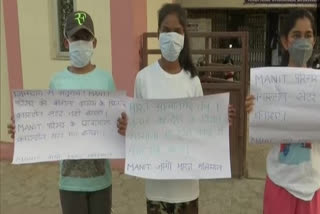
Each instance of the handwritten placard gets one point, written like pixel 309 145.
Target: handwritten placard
pixel 178 138
pixel 287 105
pixel 64 124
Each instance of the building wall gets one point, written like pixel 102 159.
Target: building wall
pixel 234 4
pixel 4 84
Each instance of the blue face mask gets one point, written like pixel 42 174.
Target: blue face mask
pixel 171 45
pixel 80 53
pixel 300 51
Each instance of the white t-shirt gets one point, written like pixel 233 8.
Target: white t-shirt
pixel 154 83
pixel 296 167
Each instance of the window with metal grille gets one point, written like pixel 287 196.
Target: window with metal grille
pixel 60 11
pixel 64 8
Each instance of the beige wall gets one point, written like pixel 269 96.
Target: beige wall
pixel 4 84
pixel 36 44
pixel 152 24
pixel 233 4
pixel 153 7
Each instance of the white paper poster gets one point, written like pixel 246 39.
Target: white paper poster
pixel 287 105
pixel 179 138
pixel 64 124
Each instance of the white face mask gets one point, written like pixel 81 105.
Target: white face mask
pixel 80 53
pixel 171 45
pixel 301 51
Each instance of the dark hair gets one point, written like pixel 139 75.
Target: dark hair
pixel 289 23
pixel 185 59
pixel 227 60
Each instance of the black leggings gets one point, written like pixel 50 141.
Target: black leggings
pixel 159 207
pixel 98 202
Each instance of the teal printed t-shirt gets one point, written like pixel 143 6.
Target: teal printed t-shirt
pixel 84 175
pixel 294 154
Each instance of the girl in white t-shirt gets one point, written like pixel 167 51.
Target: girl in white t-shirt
pixel 293 181
pixel 172 76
